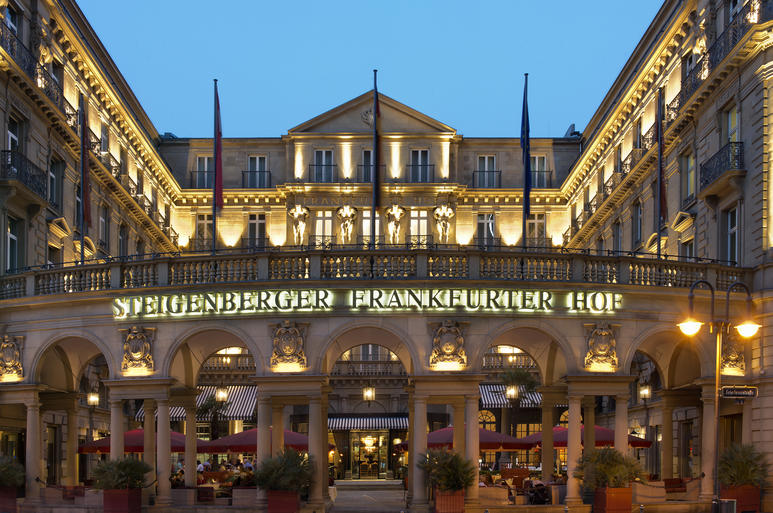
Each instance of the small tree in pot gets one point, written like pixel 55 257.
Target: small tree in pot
pixel 11 477
pixel 742 471
pixel 448 475
pixel 121 482
pixel 283 478
pixel 609 473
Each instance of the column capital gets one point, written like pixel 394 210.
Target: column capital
pixel 115 403
pixel 162 402
pixel 417 398
pixel 589 401
pixel 32 405
pixel 575 398
pixel 264 400
pixel 622 397
pixel 471 398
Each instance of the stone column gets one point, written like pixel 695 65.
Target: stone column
pixel 419 446
pixel 116 429
pixel 548 457
pixel 459 431
pixel 504 427
pixel 573 451
pixel 472 444
pixel 621 423
pixel 164 444
pixel 263 448
pixel 316 452
pixel 32 453
pixel 708 444
pixel 277 430
pixel 71 467
pixel 589 421
pixel 149 440
pixel 411 463
pixel 667 442
pixel 190 445
pixel 323 463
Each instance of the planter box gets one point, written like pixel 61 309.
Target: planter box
pixel 280 501
pixel 183 496
pixel 747 497
pixel 244 496
pixel 449 502
pixel 612 500
pixel 122 501
pixel 7 499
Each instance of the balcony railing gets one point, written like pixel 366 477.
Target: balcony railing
pixel 365 173
pixel 202 179
pixel 229 363
pixel 729 158
pixel 419 241
pixel 356 368
pixel 15 166
pixel 631 160
pixel 422 173
pixel 487 243
pixel 508 361
pixel 650 138
pixel 200 244
pixel 256 179
pixel 487 179
pixel 541 179
pixel 322 241
pixel 255 243
pixel 323 173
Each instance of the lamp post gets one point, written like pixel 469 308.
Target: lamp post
pixel 747 329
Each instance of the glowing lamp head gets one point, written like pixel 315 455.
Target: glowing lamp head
pixel 747 329
pixel 645 392
pixel 368 393
pixel 92 398
pixel 690 327
pixel 221 394
pixel 511 392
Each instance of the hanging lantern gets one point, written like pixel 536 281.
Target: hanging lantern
pixel 221 394
pixel 645 392
pixel 368 393
pixel 92 398
pixel 511 392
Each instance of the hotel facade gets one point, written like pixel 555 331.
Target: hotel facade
pixel 298 310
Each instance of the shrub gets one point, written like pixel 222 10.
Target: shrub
pixel 288 471
pixel 11 473
pixel 120 474
pixel 607 468
pixel 742 465
pixel 447 471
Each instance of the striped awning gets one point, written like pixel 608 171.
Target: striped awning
pixel 342 423
pixel 241 403
pixel 493 396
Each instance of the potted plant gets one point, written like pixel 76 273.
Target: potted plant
pixel 609 474
pixel 742 471
pixel 121 482
pixel 11 477
pixel 448 474
pixel 284 477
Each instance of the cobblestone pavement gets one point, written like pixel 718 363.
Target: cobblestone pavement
pixel 369 501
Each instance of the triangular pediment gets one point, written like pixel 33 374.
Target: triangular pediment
pixel 351 117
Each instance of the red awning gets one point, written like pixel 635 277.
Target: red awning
pixel 134 441
pixel 489 440
pixel 247 441
pixel 604 437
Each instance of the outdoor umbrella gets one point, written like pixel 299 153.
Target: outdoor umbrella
pixel 134 441
pixel 247 441
pixel 604 437
pixel 489 440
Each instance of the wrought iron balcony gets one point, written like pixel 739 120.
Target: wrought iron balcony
pixel 541 179
pixel 357 368
pixel 323 173
pixel 200 244
pixel 419 241
pixel 256 179
pixel 255 243
pixel 631 160
pixel 202 179
pixel 322 241
pixel 363 241
pixel 499 361
pixel 487 179
pixel 487 243
pixel 727 161
pixel 365 173
pixel 421 173
pixel 229 363
pixel 15 166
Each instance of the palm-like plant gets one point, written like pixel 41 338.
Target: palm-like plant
pixel 447 471
pixel 742 465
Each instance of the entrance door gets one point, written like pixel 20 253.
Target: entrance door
pixel 369 454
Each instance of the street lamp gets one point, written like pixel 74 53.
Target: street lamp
pixel 511 392
pixel 368 393
pixel 92 398
pixel 747 329
pixel 221 394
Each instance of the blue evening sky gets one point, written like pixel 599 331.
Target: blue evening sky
pixel 281 63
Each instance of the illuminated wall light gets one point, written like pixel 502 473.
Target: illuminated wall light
pixel 183 240
pixel 10 378
pixel 277 229
pixel 92 398
pixel 732 371
pixel 510 230
pixel 600 367
pixel 368 393
pixel 299 167
pixel 221 394
pixel 394 163
pixel 464 231
pixel 346 160
pixel 512 392
pixel 135 372
pixel 445 152
pixel 448 366
pixel 290 367
pixel 230 231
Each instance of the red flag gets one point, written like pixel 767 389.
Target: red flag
pixel 218 182
pixel 85 186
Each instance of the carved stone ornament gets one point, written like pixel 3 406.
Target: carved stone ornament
pixel 137 349
pixel 443 215
pixel 602 352
pixel 347 215
pixel 299 214
pixel 11 347
pixel 733 362
pixel 393 216
pixel 448 344
pixel 367 117
pixel 289 340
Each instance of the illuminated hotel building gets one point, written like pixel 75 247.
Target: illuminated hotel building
pixel 296 315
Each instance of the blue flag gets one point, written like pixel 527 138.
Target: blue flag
pixel 526 151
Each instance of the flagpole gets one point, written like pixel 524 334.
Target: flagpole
pixel 526 157
pixel 658 197
pixel 374 178
pixel 214 174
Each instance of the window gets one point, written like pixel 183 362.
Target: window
pixel 689 177
pixel 730 124
pixel 600 245
pixel 53 255
pixel 205 166
pixel 104 226
pixel 13 134
pixel 486 230
pixel 535 229
pixel 203 230
pixel 104 141
pixel 55 173
pixel 637 134
pixel 366 217
pixel 486 174
pixel 123 162
pixel 617 241
pixel 618 159
pixel 323 166
pixel 154 199
pixel 419 227
pixel 367 166
pixel 12 19
pixel 687 248
pixel 487 420
pixel 323 227
pixel 123 241
pixel 12 245
pixel 140 181
pixel 539 172
pixel 731 235
pixel 140 247
pixel 78 208
pixel 57 72
pixel 636 225
pixel 420 166
pixel 256 171
pixel 256 231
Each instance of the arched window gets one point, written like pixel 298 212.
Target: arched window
pixel 563 420
pixel 507 357
pixel 487 420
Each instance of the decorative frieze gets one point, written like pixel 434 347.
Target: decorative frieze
pixel 288 354
pixel 448 346
pixel 137 351
pixel 733 362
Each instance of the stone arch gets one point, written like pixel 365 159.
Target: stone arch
pixel 187 354
pixel 684 367
pixel 546 346
pixel 61 359
pixel 661 346
pixel 357 333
